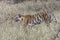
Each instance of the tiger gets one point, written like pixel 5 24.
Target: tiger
pixel 32 20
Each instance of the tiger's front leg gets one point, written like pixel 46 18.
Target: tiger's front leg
pixel 24 24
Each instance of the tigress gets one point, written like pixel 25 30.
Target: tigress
pixel 31 20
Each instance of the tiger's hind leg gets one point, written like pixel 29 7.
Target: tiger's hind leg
pixel 53 19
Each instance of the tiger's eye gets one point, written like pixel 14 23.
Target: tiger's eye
pixel 21 18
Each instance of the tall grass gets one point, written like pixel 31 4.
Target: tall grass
pixel 11 30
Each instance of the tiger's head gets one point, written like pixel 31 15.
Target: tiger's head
pixel 18 18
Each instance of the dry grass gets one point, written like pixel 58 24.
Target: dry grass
pixel 10 30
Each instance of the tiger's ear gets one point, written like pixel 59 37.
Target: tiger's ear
pixel 19 15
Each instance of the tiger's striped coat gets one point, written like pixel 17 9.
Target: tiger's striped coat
pixel 31 20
